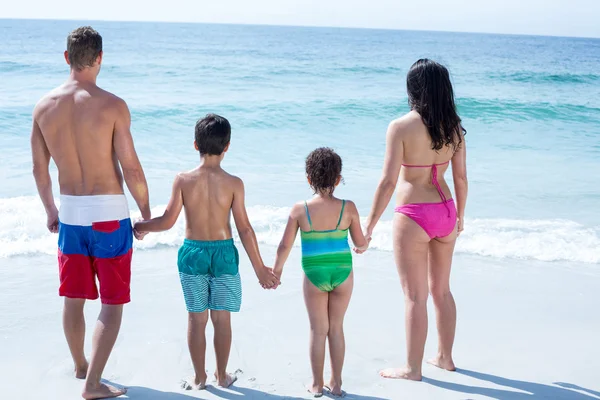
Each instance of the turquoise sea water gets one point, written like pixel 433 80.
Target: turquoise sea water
pixel 531 106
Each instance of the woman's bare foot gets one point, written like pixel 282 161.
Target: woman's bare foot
pixel 81 371
pixel 195 383
pixel 335 390
pixel 315 390
pixel 102 391
pixel 443 363
pixel 401 373
pixel 226 381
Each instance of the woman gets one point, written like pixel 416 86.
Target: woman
pixel 419 147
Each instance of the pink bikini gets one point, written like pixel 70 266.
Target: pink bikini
pixel 436 219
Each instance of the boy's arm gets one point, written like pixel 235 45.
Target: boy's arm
pixel 168 219
pixel 130 163
pixel 361 244
pixel 287 241
pixel 265 275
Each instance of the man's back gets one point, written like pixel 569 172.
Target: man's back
pixel 77 121
pixel 208 194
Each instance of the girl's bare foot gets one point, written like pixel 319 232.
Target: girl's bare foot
pixel 443 363
pixel 102 391
pixel 226 381
pixel 401 373
pixel 81 371
pixel 195 383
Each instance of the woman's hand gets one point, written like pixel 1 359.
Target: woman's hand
pixel 460 225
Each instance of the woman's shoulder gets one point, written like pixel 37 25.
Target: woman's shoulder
pixel 408 122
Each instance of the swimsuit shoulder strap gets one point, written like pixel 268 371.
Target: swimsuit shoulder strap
pixel 308 215
pixel 341 214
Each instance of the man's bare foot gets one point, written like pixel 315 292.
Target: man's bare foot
pixel 81 371
pixel 226 381
pixel 335 390
pixel 315 390
pixel 401 373
pixel 443 363
pixel 102 392
pixel 194 383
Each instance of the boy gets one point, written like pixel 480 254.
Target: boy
pixel 208 260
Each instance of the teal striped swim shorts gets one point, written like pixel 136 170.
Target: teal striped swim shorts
pixel 210 276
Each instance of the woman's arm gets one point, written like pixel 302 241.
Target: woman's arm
pixel 168 219
pixel 391 169
pixel 461 184
pixel 361 244
pixel 287 241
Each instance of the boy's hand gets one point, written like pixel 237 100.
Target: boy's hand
pixel 267 279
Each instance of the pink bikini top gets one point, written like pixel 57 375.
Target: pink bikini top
pixel 433 177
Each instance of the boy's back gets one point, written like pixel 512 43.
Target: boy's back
pixel 209 194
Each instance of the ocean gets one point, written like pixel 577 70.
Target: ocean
pixel 531 107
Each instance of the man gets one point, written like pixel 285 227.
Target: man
pixel 85 130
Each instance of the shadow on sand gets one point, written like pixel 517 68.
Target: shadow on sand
pixel 524 390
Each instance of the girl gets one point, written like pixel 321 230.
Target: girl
pixel 324 223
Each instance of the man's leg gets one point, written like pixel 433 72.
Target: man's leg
pixel 105 336
pixel 74 327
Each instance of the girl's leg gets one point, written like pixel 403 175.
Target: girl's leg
pixel 440 261
pixel 317 307
pixel 339 299
pixel 411 245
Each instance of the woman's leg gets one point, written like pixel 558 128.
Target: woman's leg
pixel 411 245
pixel 440 261
pixel 339 299
pixel 317 307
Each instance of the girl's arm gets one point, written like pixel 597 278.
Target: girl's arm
pixel 361 244
pixel 168 219
pixel 392 163
pixel 461 184
pixel 287 241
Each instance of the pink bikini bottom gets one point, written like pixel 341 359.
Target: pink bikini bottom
pixel 436 219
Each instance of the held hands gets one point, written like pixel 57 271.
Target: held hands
pixel 267 278
pixel 138 233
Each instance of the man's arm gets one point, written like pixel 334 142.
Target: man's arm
pixel 130 164
pixel 41 173
pixel 265 275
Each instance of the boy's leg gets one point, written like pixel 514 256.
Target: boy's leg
pixel 317 307
pixel 105 336
pixel 339 299
pixel 74 327
pixel 222 323
pixel 197 345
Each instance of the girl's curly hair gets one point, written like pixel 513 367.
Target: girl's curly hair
pixel 323 168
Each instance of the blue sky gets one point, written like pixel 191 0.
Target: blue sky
pixel 539 17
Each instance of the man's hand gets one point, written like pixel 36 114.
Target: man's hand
pixel 267 279
pixel 52 221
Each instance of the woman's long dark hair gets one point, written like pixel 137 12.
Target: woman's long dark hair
pixel 430 94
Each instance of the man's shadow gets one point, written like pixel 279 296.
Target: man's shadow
pixel 525 390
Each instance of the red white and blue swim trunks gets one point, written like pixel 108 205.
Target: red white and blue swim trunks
pixel 94 239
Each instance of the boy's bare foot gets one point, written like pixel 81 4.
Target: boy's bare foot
pixel 401 373
pixel 194 383
pixel 102 391
pixel 226 381
pixel 81 371
pixel 443 363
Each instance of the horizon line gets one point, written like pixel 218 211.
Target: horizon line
pixel 304 26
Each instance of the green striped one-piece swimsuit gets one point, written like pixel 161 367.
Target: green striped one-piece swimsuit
pixel 326 255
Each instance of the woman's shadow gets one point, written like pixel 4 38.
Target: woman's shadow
pixel 526 390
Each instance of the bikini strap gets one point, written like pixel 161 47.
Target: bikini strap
pixel 341 215
pixel 308 215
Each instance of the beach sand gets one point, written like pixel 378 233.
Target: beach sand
pixel 526 330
